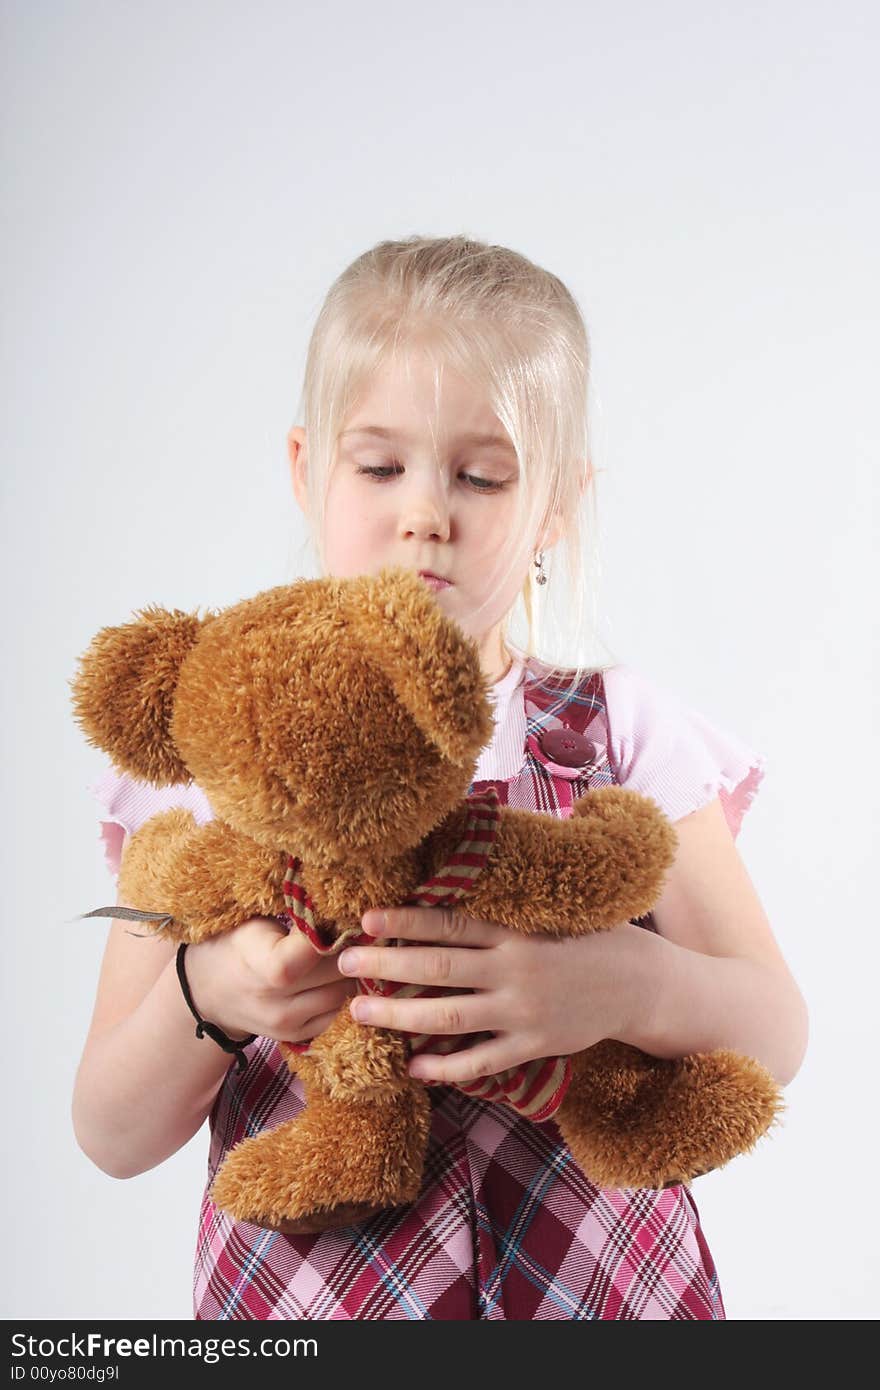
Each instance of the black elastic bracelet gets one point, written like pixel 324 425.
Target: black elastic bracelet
pixel 210 1029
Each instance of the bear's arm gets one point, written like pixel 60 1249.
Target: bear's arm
pixel 603 866
pixel 209 878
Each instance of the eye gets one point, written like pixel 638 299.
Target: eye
pixel 381 471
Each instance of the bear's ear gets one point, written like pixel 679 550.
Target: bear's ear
pixel 123 692
pixel 433 667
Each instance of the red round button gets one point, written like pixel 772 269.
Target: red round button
pixel 567 747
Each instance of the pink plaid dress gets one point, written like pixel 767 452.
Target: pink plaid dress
pixel 506 1226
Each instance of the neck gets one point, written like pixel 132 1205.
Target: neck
pixel 498 666
pixel 342 890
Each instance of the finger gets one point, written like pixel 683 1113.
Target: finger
pixel 297 1022
pixel 259 936
pixel 320 1025
pixel 283 957
pixel 325 971
pixel 452 1013
pixel 444 925
pixel 294 960
pixel 470 1064
pixel 418 965
pixel 312 1002
pixel 308 1032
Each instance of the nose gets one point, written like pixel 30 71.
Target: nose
pixel 424 511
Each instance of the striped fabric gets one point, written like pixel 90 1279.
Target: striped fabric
pixel 506 1227
pixel 535 1089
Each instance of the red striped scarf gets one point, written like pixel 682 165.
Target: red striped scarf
pixel 535 1089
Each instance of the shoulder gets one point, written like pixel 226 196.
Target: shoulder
pixel 666 749
pixel 642 715
pixel 127 802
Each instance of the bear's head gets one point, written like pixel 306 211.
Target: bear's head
pixel 342 716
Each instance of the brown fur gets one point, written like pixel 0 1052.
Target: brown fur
pixel 340 721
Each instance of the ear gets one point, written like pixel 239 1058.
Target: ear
pixel 296 452
pixel 123 692
pixel 555 527
pixel 550 532
pixel 550 535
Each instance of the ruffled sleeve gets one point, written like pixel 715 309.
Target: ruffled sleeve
pixel 128 803
pixel 664 749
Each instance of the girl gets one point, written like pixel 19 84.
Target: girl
pixel 445 431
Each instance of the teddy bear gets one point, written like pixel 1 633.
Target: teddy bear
pixel 335 725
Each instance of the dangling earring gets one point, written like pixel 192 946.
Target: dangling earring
pixel 540 577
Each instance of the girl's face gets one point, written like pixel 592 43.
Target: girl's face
pixel 427 485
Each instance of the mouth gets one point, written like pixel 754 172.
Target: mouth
pixel 434 581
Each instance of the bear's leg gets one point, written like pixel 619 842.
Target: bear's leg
pixel 337 1163
pixel 631 1120
pixel 357 1147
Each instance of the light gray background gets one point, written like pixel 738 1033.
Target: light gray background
pixel 181 186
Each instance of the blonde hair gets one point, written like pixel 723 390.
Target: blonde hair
pixel 516 330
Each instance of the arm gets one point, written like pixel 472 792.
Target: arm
pixel 713 976
pixel 145 1082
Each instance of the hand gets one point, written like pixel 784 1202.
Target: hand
pixel 259 978
pixel 539 995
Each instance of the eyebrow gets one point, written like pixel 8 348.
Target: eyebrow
pixel 480 440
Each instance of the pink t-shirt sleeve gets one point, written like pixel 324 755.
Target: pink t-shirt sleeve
pixel 664 749
pixel 128 803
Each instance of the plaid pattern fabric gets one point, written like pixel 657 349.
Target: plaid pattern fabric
pixel 535 1089
pixel 506 1226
